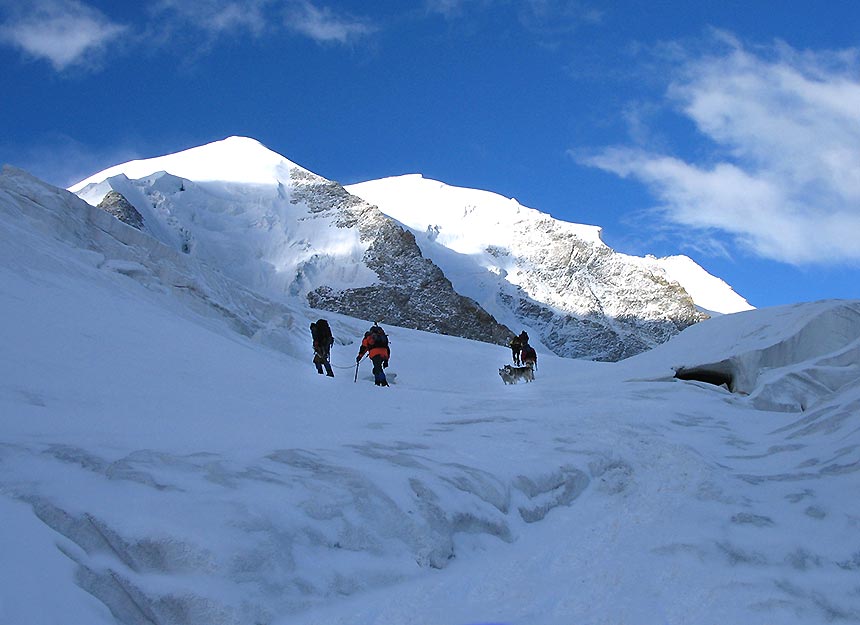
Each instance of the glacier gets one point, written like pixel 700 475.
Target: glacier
pixel 169 455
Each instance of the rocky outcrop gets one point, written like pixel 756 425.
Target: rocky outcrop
pixel 116 204
pixel 412 292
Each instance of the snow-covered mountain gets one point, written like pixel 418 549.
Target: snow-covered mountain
pixel 288 234
pixel 580 297
pixel 168 456
pixel 283 231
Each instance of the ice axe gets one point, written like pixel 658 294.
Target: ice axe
pixel 357 362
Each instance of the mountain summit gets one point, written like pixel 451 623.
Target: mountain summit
pixel 239 160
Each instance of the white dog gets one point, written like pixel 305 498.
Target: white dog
pixel 512 375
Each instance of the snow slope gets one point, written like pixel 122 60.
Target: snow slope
pixel 162 465
pixel 709 292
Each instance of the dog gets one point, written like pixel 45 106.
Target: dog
pixel 512 375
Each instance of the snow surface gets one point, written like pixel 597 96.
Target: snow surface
pixel 710 293
pixel 469 221
pixel 169 458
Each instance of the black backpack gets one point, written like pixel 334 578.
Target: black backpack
pixel 321 333
pixel 378 337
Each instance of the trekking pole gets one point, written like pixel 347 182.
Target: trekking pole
pixel 356 371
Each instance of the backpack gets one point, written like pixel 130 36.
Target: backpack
pixel 321 333
pixel 528 353
pixel 324 335
pixel 378 338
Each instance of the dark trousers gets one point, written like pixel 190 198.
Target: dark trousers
pixel 378 371
pixel 322 361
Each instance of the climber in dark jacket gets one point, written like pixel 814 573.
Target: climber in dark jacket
pixel 323 340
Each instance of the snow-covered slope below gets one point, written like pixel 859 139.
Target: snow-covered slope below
pixel 558 279
pixel 160 465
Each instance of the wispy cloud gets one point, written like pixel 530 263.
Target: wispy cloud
pixel 556 16
pixel 452 8
pixel 540 16
pixel 216 17
pixel 324 25
pixel 63 32
pixel 70 33
pixel 782 177
pixel 62 160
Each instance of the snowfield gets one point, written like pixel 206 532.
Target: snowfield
pixel 170 456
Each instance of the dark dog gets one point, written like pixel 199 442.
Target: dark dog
pixel 512 375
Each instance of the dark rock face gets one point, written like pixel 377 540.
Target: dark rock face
pixel 116 204
pixel 412 291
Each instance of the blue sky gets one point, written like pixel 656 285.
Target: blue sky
pixel 725 130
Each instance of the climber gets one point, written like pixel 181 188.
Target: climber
pixel 375 345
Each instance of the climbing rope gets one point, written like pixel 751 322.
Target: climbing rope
pixel 334 366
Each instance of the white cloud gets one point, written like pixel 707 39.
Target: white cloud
pixel 783 177
pixel 323 25
pixel 64 32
